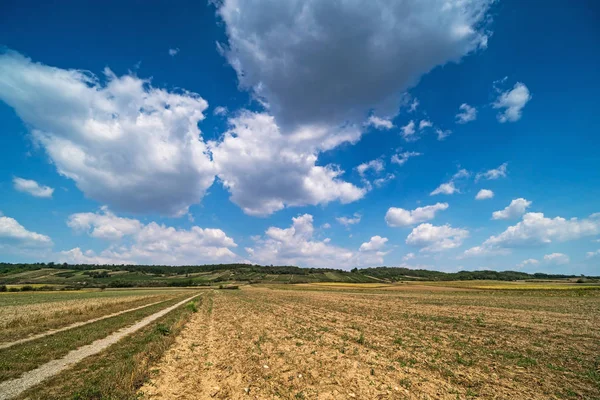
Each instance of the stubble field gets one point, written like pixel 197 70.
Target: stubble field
pixel 318 342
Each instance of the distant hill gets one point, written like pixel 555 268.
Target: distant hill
pixel 80 275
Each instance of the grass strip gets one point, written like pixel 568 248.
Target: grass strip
pixel 120 370
pixel 27 356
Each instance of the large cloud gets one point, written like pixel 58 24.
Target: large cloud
pixel 535 229
pixel 297 246
pixel 136 243
pixel 124 143
pixel 515 209
pixel 314 62
pixel 266 171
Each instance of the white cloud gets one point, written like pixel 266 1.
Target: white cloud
pixel 408 132
pixel 450 187
pixel 425 124
pixel 467 114
pixel 379 123
pixel 346 221
pixel 436 238
pixel 400 217
pixel 376 165
pixel 535 229
pixel 445 188
pixel 592 254
pixel 414 105
pixel 124 143
pixel 32 187
pixel 296 246
pixel 105 225
pixel 530 261
pixel 408 256
pixel 512 101
pixel 220 111
pixel 136 243
pixel 254 148
pixel 402 158
pixel 14 237
pixel 326 225
pixel 346 66
pixel 493 174
pixel 484 194
pixel 557 259
pixel 443 134
pixel 173 52
pixel 515 209
pixel 376 243
pixel 379 182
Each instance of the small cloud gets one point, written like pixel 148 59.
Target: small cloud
pixel 450 187
pixel 220 111
pixel 379 123
pixel 493 174
pixel 484 194
pixel 467 114
pixel 32 187
pixel 402 158
pixel 425 124
pixel 173 52
pixel 512 103
pixel 408 132
pixel 515 209
pixel 442 134
pixel 414 105
pixel 557 259
pixel 347 221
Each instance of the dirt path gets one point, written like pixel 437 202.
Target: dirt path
pixel 12 388
pixel 75 325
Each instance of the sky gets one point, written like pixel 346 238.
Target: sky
pixel 437 134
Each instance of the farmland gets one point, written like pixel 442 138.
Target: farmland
pixel 325 340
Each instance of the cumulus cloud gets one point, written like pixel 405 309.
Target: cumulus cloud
pixel 484 194
pixel 346 221
pixel 442 134
pixel 512 102
pixel 254 148
pixel 152 243
pixel 296 246
pixel 413 105
pixel 379 123
pixel 535 229
pixel 402 158
pixel 220 111
pixel 379 182
pixel 376 243
pixel 346 66
pixel 425 124
pixel 123 142
pixel 592 254
pixel 557 259
pixel 433 238
pixel 104 225
pixel 530 261
pixel 493 174
pixel 15 238
pixel 173 52
pixel 400 217
pixel 408 132
pixel 374 165
pixel 466 114
pixel 32 187
pixel 450 187
pixel 408 256
pixel 515 209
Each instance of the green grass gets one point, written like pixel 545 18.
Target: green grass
pixel 25 357
pixel 119 371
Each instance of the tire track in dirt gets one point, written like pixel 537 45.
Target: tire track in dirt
pixel 14 387
pixel 74 325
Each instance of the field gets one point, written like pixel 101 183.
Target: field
pixel 417 340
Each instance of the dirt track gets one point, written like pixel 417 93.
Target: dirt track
pixel 14 387
pixel 259 343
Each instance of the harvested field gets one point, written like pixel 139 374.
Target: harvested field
pixel 375 344
pixel 28 317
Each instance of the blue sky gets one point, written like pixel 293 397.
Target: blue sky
pixel 214 133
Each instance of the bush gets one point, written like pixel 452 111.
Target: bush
pixel 27 288
pixel 3 288
pixel 191 306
